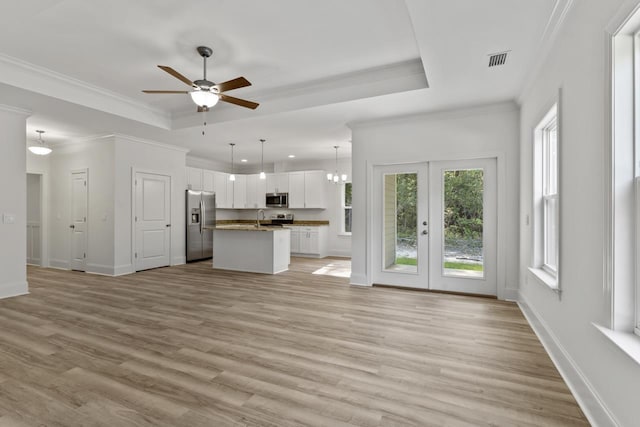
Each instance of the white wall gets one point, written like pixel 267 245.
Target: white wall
pixel 13 202
pixel 487 131
pixel 146 156
pixel 576 63
pixel 98 157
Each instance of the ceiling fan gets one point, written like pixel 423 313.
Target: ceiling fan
pixel 205 94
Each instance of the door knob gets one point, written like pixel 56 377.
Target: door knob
pixel 168 225
pixel 72 226
pixel 424 232
pixel 424 222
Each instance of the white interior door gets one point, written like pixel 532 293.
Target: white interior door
pixel 463 232
pixel 152 221
pixel 401 254
pixel 78 224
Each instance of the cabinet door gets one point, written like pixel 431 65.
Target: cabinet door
pixel 261 191
pixel 314 242
pixel 220 187
pixel 194 179
pixel 252 191
pixel 295 241
pixel 271 183
pixel 240 192
pixel 296 190
pixel 305 247
pixel 230 190
pixel 314 190
pixel 283 182
pixel 207 181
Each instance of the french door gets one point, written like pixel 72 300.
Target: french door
pixel 435 226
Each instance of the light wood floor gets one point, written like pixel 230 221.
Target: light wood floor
pixel 191 346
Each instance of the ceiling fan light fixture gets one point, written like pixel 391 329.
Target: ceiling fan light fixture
pixel 204 98
pixel 39 147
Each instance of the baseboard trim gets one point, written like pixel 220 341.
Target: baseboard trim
pixel 15 289
pixel 510 294
pixel 123 270
pixel 103 270
pixel 359 280
pixel 178 260
pixel 593 407
pixel 343 254
pixel 60 264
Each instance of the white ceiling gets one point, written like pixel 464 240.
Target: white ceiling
pixel 80 66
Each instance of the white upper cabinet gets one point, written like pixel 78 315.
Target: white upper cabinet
pixel 220 186
pixel 240 192
pixel 194 178
pixel 256 191
pixel 296 190
pixel 315 184
pixel 307 190
pixel 207 180
pixel 277 183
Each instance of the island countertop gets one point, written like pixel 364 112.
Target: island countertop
pixel 243 227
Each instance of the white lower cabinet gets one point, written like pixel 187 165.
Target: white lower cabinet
pixel 309 240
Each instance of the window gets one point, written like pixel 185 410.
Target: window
pixel 346 208
pixel 623 175
pixel 546 204
pixel 550 196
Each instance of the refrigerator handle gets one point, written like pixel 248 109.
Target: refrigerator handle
pixel 202 215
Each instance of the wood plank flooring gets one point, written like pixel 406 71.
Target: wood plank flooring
pixel 192 346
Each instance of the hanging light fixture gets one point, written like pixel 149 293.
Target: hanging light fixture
pixel 262 174
pixel 39 147
pixel 336 178
pixel 232 177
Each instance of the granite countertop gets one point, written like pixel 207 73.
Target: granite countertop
pixel 296 223
pixel 244 227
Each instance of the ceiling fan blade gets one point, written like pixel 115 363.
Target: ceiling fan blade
pixel 233 84
pixel 177 75
pixel 238 101
pixel 202 109
pixel 165 91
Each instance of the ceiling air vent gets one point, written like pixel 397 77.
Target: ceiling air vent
pixel 496 59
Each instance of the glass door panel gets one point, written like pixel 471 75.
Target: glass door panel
pixel 463 222
pixel 400 256
pixel 400 234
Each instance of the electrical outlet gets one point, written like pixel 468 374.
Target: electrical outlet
pixel 8 218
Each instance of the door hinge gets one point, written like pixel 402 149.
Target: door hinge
pixel 85 255
pixel 85 183
pixel 136 219
pixel 136 255
pixel 136 182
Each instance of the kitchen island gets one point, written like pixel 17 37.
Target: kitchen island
pixel 245 247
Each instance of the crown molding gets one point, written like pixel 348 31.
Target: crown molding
pixel 150 142
pixel 497 107
pixel 556 19
pixel 34 78
pixel 16 110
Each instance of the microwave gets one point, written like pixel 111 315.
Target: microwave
pixel 277 200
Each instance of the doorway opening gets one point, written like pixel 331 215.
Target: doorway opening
pixel 34 219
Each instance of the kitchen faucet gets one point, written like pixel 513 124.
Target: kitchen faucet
pixel 260 211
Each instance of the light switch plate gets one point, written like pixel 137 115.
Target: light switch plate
pixel 8 218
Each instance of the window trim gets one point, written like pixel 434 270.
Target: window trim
pixel 542 271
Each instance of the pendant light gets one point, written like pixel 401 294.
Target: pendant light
pixel 39 147
pixel 232 177
pixel 262 174
pixel 335 177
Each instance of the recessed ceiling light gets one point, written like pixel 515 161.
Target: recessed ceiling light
pixel 291 156
pixel 244 160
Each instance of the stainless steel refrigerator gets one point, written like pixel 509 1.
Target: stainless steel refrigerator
pixel 201 215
